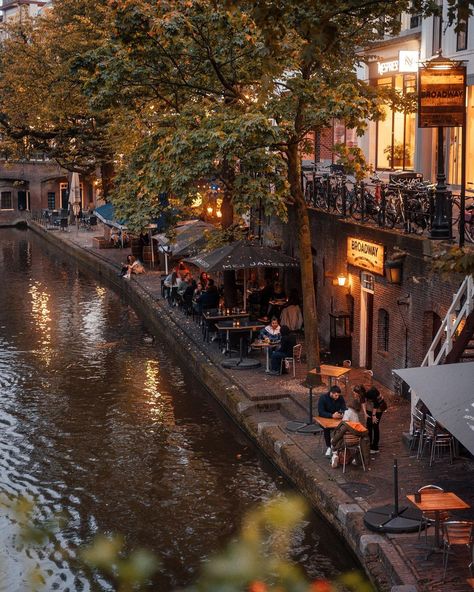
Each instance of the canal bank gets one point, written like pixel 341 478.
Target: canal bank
pixel 263 412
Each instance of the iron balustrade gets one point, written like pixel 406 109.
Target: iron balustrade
pixel 404 204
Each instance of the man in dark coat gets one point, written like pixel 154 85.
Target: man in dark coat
pixel 332 406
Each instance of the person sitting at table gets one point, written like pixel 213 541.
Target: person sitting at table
pixel 271 332
pixel 196 298
pixel 203 278
pixel 350 424
pixel 133 266
pixel 331 405
pixel 291 314
pixel 285 350
pixel 210 297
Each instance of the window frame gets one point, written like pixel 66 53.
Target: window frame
pixel 462 35
pixel 2 194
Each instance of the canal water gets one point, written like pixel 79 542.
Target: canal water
pixel 108 430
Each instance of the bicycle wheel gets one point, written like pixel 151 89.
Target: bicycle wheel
pixel 353 204
pixel 391 210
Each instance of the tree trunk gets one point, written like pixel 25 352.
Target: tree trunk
pixel 310 314
pixel 107 174
pixel 227 209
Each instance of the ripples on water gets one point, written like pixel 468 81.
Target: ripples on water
pixel 109 431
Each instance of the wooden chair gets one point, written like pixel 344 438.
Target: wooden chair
pixel 456 533
pixel 352 443
pixel 297 351
pixel 428 517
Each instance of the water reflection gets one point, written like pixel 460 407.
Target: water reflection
pixel 108 430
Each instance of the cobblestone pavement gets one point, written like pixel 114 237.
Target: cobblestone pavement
pixel 279 399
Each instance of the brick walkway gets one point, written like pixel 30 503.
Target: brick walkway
pixel 279 399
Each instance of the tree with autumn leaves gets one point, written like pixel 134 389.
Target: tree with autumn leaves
pixel 176 91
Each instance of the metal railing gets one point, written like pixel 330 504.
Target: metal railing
pixel 461 307
pixel 405 204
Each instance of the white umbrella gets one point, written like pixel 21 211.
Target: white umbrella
pixel 75 193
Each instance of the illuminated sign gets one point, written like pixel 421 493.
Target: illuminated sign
pixel 407 62
pixel 442 97
pixel 369 256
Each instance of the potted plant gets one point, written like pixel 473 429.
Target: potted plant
pixel 400 154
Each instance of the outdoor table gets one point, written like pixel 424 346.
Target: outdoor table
pixel 332 372
pixel 267 346
pixel 327 422
pixel 277 305
pixel 240 363
pixel 214 317
pixel 438 502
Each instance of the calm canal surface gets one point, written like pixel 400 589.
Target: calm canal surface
pixel 110 431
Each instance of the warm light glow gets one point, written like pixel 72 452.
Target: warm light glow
pixel 209 210
pixel 219 214
pixel 42 320
pixel 197 201
pixel 341 280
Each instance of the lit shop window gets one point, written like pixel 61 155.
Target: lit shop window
pixel 396 133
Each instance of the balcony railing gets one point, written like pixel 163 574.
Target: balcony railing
pixel 405 204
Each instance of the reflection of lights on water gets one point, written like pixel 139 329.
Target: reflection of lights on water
pixel 155 399
pixel 41 316
pixel 101 292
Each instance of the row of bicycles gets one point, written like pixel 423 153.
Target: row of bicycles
pixel 405 202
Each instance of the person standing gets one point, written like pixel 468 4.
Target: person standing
pixel 331 405
pixel 374 406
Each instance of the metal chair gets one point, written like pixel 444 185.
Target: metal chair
pixel 456 533
pixel 427 517
pixel 352 442
pixel 417 431
pixel 297 350
pixel 437 438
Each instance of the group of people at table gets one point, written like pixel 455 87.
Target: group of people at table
pixel 344 418
pixel 269 302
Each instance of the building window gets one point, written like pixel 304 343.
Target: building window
pixel 396 133
pixel 367 281
pixel 383 331
pixel 51 200
pixel 6 202
pixel 461 35
pixel 437 29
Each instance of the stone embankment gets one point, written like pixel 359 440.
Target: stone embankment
pixel 262 405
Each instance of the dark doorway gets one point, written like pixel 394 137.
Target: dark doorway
pixel 369 330
pixel 64 198
pixel 22 200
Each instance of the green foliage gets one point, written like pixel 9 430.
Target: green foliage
pixel 449 259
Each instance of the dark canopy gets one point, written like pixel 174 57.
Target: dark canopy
pixel 242 254
pixel 448 392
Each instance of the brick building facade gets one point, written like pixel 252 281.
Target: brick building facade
pixel 389 325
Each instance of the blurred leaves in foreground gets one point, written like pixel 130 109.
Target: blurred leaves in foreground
pixel 258 560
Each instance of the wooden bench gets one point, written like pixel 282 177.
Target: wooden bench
pixel 99 242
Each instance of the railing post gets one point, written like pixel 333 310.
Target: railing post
pixel 362 201
pixel 344 199
pixel 406 212
pixel 383 206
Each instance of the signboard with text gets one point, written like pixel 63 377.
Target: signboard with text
pixel 441 97
pixel 366 255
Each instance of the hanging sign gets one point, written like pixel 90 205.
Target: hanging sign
pixel 369 256
pixel 441 97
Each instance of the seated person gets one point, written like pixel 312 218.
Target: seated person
pixel 133 266
pixel 350 425
pixel 271 331
pixel 210 297
pixel 331 405
pixel 291 314
pixel 183 283
pixel 285 349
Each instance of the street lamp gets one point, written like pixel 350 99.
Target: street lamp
pixel 441 103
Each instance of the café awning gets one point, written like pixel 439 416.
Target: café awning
pixel 106 214
pixel 448 392
pixel 189 239
pixel 242 254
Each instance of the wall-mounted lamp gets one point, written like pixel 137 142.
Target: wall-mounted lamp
pixel 342 280
pixel 393 271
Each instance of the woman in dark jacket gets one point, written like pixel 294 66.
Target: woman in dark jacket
pixel 287 343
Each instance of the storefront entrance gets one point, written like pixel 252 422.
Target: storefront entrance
pixel 366 319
